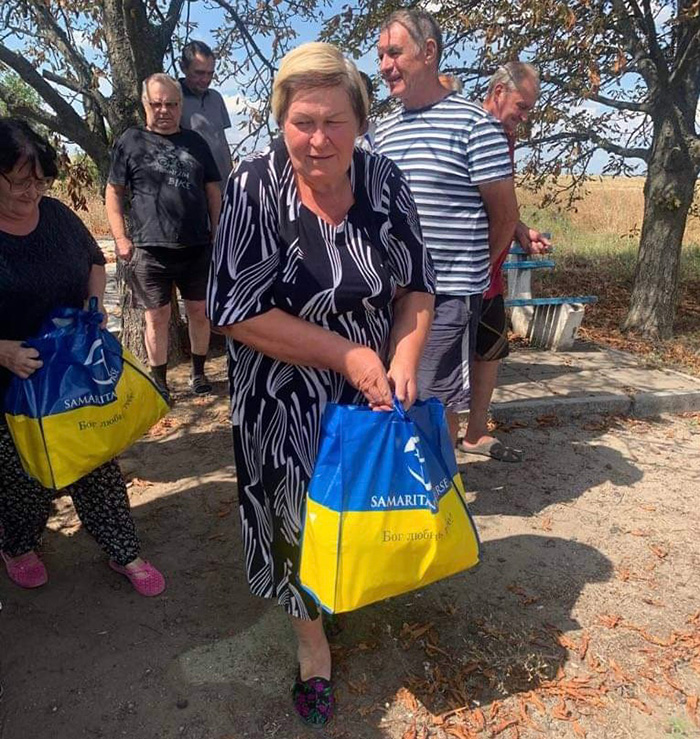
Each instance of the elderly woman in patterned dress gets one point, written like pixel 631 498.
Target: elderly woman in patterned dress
pixel 325 291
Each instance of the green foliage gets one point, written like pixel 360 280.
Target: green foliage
pixel 19 94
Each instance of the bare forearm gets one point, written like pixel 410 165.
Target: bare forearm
pixel 214 206
pixel 501 233
pixel 293 340
pixel 413 315
pixel 97 282
pixel 114 205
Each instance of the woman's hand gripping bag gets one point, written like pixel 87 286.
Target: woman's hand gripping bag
pixel 89 402
pixel 385 510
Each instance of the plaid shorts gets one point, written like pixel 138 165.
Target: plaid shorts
pixel 492 333
pixel 444 369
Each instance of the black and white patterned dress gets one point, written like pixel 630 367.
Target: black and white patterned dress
pixel 273 252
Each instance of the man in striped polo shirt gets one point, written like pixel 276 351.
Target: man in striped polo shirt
pixel 455 157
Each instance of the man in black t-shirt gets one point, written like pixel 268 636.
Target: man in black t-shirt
pixel 174 197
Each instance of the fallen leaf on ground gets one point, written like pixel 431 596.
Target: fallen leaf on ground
pixel 459 731
pixel 561 711
pixel 533 698
pixel 620 674
pixel 578 729
pixel 583 646
pixel 660 552
pixel 505 724
pixel 479 720
pixel 610 621
pixel 137 482
pixel 407 699
pixel 673 683
pixel 639 705
pixel 525 598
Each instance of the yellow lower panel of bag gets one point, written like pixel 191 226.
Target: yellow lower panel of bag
pixel 59 449
pixel 359 557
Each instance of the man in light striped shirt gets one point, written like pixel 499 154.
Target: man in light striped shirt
pixel 455 157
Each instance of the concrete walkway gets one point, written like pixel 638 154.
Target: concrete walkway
pixel 589 380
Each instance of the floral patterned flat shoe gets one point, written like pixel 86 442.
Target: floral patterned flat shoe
pixel 313 700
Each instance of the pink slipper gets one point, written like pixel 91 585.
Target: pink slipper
pixel 27 570
pixel 146 579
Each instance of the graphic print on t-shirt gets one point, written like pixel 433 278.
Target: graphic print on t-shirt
pixel 176 164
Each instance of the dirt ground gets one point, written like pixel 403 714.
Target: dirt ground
pixel 582 620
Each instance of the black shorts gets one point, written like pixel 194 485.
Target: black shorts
pixel 492 333
pixel 153 272
pixel 444 369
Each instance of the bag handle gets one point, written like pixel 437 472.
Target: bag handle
pixel 398 407
pixel 436 450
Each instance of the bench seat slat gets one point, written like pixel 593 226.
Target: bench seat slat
pixel 529 264
pixel 521 302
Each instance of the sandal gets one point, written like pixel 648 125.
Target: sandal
pixel 146 579
pixel 313 700
pixel 492 448
pixel 27 570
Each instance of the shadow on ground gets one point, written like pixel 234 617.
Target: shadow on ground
pixel 87 657
pixel 551 471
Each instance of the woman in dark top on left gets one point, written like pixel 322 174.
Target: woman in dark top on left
pixel 48 259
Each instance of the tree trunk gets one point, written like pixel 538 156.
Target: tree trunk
pixel 668 195
pixel 133 325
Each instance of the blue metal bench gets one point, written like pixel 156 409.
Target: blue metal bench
pixel 549 323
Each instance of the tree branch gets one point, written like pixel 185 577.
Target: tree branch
pixel 627 105
pixel 56 35
pixel 688 58
pixel 599 141
pixel 90 92
pixel 245 33
pixel 36 115
pixel 72 124
pixel 172 16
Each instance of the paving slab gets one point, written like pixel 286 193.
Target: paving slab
pixel 589 380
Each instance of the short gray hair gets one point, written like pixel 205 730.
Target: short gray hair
pixel 163 79
pixel 511 75
pixel 420 25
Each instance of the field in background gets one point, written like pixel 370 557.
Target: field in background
pixel 595 250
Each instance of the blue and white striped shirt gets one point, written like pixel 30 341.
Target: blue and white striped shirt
pixel 446 151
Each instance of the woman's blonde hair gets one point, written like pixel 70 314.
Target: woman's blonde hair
pixel 317 64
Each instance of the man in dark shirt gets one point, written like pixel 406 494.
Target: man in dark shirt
pixel 175 200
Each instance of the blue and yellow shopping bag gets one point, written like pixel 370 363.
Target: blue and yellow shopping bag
pixel 385 510
pixel 88 403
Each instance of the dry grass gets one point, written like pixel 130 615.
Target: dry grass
pixel 611 206
pixel 95 217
